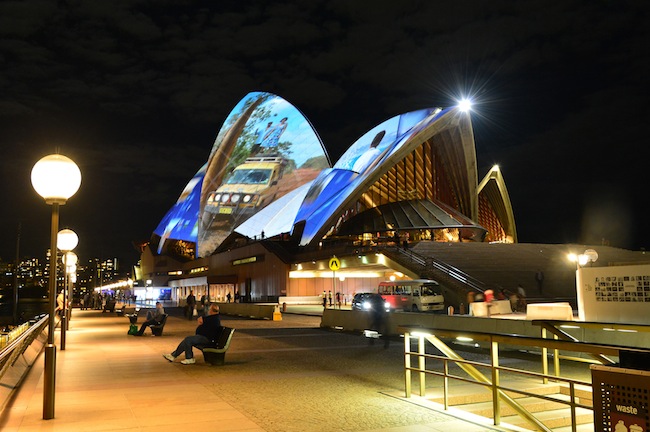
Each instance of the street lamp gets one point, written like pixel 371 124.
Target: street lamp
pixel 71 273
pixel 56 178
pixel 69 263
pixel 66 240
pixel 584 258
pixel 581 260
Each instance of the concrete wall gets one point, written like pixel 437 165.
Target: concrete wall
pixel 357 321
pixel 251 310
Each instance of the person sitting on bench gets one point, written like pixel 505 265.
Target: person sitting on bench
pixel 154 317
pixel 206 333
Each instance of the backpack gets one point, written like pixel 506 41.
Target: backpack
pixel 133 329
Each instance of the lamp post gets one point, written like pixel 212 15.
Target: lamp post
pixel 71 276
pixel 66 240
pixel 581 260
pixel 69 264
pixel 56 178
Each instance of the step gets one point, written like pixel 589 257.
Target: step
pixel 530 404
pixel 587 427
pixel 460 394
pixel 554 418
pixel 582 392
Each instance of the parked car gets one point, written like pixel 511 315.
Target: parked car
pixel 365 301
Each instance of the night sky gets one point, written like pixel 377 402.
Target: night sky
pixel 136 91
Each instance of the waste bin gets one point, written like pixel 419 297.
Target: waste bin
pixel 620 397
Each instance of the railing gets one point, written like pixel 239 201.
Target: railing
pixel 16 342
pixel 493 381
pixel 452 272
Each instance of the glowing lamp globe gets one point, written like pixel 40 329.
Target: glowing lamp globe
pixel 70 260
pixel 56 178
pixel 66 240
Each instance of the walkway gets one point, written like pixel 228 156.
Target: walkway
pixel 284 375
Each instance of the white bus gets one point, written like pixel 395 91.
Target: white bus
pixel 412 295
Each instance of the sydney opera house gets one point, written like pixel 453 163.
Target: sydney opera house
pixel 266 212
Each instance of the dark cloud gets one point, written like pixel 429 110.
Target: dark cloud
pixel 135 92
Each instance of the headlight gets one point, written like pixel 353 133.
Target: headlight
pixel 367 305
pixel 235 197
pixel 216 197
pixel 224 198
pixel 246 198
pixel 387 306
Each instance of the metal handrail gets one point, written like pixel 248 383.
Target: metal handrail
pixel 498 391
pixel 19 344
pixel 441 266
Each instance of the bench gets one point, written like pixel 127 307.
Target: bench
pixel 157 329
pixel 125 310
pixel 109 306
pixel 217 354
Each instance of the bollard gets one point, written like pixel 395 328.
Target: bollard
pixel 462 309
pixel 277 316
pixel 284 307
pixel 450 310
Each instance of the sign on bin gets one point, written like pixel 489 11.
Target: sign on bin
pixel 627 418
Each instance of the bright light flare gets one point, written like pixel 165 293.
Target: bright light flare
pixel 465 105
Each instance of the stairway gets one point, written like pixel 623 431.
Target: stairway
pixel 554 415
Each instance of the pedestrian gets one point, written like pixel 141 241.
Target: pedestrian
pixel 228 297
pixel 324 299
pixel 379 319
pixel 514 301
pixel 59 304
pixel 329 296
pixel 338 299
pixel 237 296
pixel 154 317
pixel 206 333
pixel 521 298
pixel 539 278
pixel 191 304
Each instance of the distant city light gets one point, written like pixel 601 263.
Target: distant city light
pixel 465 105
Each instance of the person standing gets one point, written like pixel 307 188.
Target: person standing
pixel 521 299
pixel 379 320
pixel 539 278
pixel 206 333
pixel 59 304
pixel 191 304
pixel 203 302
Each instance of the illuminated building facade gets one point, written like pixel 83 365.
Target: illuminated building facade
pixel 268 197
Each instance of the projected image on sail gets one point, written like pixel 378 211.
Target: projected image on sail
pixel 265 150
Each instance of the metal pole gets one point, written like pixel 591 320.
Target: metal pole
pixel 64 310
pixel 16 265
pixel 50 350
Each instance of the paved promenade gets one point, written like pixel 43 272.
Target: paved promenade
pixel 284 375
